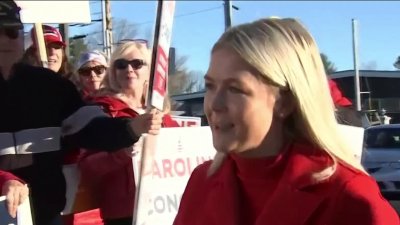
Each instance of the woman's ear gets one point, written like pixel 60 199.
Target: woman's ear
pixel 285 104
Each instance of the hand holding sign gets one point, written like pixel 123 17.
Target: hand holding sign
pixel 148 123
pixel 16 193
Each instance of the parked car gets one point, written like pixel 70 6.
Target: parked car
pixel 381 157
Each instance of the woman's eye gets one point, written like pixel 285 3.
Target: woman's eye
pixel 208 86
pixel 235 90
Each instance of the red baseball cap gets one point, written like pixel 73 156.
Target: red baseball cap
pixel 51 35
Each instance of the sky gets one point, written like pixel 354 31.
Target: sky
pixel 198 25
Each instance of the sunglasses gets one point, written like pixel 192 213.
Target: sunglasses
pixel 11 33
pixel 87 71
pixel 136 64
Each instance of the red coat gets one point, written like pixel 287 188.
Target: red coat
pixel 112 173
pixel 337 95
pixel 349 197
pixel 6 176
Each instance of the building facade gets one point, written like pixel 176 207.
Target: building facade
pixel 379 90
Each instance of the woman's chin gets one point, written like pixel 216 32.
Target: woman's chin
pixel 224 146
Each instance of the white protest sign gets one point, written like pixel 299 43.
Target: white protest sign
pixel 54 11
pixel 154 98
pixel 162 42
pixel 178 151
pixel 24 215
pixel 354 137
pixel 187 121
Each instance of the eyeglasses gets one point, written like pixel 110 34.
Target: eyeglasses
pixel 11 33
pixel 87 71
pixel 136 64
pixel 139 41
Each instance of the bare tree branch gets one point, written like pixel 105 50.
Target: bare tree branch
pixel 122 29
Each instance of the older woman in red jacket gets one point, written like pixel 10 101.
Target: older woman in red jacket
pixel 111 174
pixel 281 159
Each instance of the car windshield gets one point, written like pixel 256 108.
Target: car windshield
pixel 383 138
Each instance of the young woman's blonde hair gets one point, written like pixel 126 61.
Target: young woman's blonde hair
pixel 286 56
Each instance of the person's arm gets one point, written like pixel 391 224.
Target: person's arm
pixel 15 191
pixel 89 127
pixel 95 130
pixel 361 202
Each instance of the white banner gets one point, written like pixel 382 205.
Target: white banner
pixel 177 153
pixel 24 215
pixel 163 42
pixel 54 11
pixel 355 137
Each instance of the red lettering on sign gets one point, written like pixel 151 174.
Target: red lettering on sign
pixel 180 167
pixel 156 170
pixel 167 167
pixel 160 73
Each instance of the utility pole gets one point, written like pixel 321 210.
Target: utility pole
pixel 66 38
pixel 64 31
pixel 108 28
pixel 228 13
pixel 355 61
pixel 104 25
pixel 171 61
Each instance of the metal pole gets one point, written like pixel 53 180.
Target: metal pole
pixel 355 61
pixel 171 61
pixel 228 13
pixel 108 28
pixel 66 38
pixel 104 24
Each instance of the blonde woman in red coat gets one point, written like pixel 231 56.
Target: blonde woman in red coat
pixel 281 159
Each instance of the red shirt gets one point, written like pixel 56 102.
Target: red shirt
pixel 112 173
pixel 257 181
pixel 348 197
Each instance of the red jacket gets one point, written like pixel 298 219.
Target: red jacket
pixel 112 173
pixel 349 197
pixel 337 95
pixel 6 176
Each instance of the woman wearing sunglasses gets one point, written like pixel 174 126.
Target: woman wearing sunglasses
pixel 123 95
pixel 91 70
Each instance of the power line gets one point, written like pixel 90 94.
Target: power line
pixel 177 16
pixel 197 12
pixel 86 24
